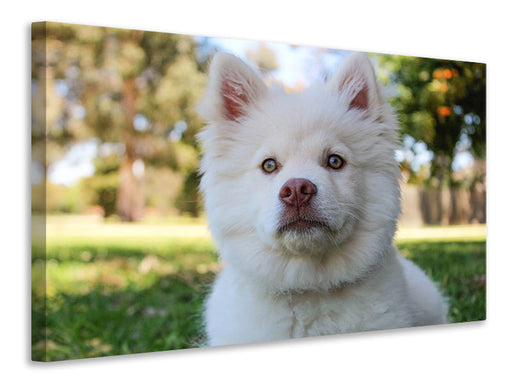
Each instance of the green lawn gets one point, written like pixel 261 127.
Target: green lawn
pixel 459 268
pixel 116 289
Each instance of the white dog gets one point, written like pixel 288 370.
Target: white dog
pixel 302 196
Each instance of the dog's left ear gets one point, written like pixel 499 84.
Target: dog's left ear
pixel 356 84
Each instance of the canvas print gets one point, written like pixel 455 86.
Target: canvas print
pixel 191 191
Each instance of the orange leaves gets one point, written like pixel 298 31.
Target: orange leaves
pixel 444 111
pixel 441 79
pixel 442 75
pixel 445 73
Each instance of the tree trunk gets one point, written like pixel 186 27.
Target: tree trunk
pixel 478 192
pixel 443 170
pixel 130 194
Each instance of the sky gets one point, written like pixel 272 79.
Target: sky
pixel 296 63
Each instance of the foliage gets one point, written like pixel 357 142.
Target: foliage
pixel 103 185
pixel 135 91
pixel 189 200
pixel 48 198
pixel 440 103
pixel 163 187
pixel 264 58
pixel 121 86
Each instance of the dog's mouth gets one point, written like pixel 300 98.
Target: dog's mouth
pixel 302 225
pixel 306 235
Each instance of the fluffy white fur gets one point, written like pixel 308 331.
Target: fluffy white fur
pixel 342 276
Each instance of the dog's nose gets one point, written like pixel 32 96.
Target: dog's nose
pixel 297 192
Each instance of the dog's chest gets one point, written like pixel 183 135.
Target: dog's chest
pixel 335 312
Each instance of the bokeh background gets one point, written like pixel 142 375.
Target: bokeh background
pixel 121 254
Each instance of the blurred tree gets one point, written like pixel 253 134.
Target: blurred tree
pixel 441 103
pixel 264 57
pixel 131 87
pixel 105 183
pixel 187 200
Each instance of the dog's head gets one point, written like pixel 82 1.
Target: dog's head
pixel 300 189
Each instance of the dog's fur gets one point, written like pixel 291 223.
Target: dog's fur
pixel 299 265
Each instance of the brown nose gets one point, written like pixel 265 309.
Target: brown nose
pixel 297 192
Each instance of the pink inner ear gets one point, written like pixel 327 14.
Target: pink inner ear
pixel 234 98
pixel 360 101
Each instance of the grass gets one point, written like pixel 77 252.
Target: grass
pixel 459 268
pixel 110 289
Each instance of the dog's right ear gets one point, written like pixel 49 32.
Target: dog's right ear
pixel 233 86
pixel 357 85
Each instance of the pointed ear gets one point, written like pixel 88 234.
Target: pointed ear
pixel 356 83
pixel 233 86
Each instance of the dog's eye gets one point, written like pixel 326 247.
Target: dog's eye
pixel 269 165
pixel 335 161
